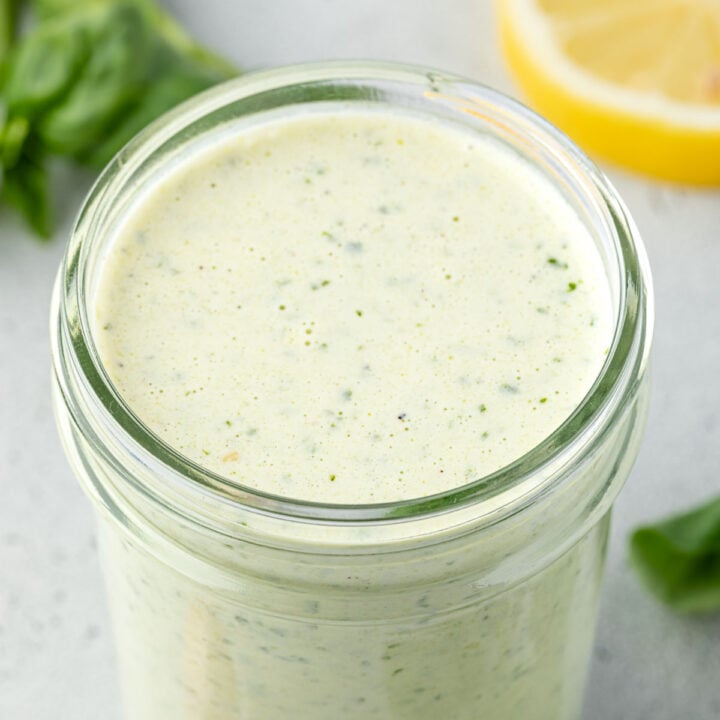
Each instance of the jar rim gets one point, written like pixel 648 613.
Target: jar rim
pixel 94 400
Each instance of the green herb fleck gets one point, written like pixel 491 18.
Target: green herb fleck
pixel 359 313
pixel 332 478
pixel 543 399
pixel 572 286
pixel 483 408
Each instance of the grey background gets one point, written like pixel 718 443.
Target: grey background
pixel 56 657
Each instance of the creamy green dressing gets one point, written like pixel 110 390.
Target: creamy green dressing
pixel 353 307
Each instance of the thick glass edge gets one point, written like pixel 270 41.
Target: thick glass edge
pixel 604 403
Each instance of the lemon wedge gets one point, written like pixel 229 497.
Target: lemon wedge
pixel 633 82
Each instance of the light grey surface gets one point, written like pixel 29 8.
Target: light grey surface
pixel 56 657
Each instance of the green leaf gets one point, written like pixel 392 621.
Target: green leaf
pixel 114 74
pixel 170 89
pixel 8 18
pixel 12 139
pixel 25 187
pixel 679 559
pixel 84 80
pixel 163 23
pixel 176 38
pixel 138 65
pixel 136 77
pixel 44 67
pixel 44 9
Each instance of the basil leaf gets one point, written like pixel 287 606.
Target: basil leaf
pixel 168 90
pixel 25 187
pixel 44 67
pixel 185 47
pixel 134 76
pixel 115 72
pixel 8 17
pixel 164 24
pixel 12 140
pixel 679 559
pixel 83 81
pixel 47 8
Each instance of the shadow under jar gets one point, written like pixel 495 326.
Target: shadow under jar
pixel 229 601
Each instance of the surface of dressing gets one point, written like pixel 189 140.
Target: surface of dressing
pixel 353 307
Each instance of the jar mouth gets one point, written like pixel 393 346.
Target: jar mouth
pixel 117 429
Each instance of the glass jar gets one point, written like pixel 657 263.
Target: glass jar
pixel 230 603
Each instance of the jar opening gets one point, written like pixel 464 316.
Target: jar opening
pixel 423 91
